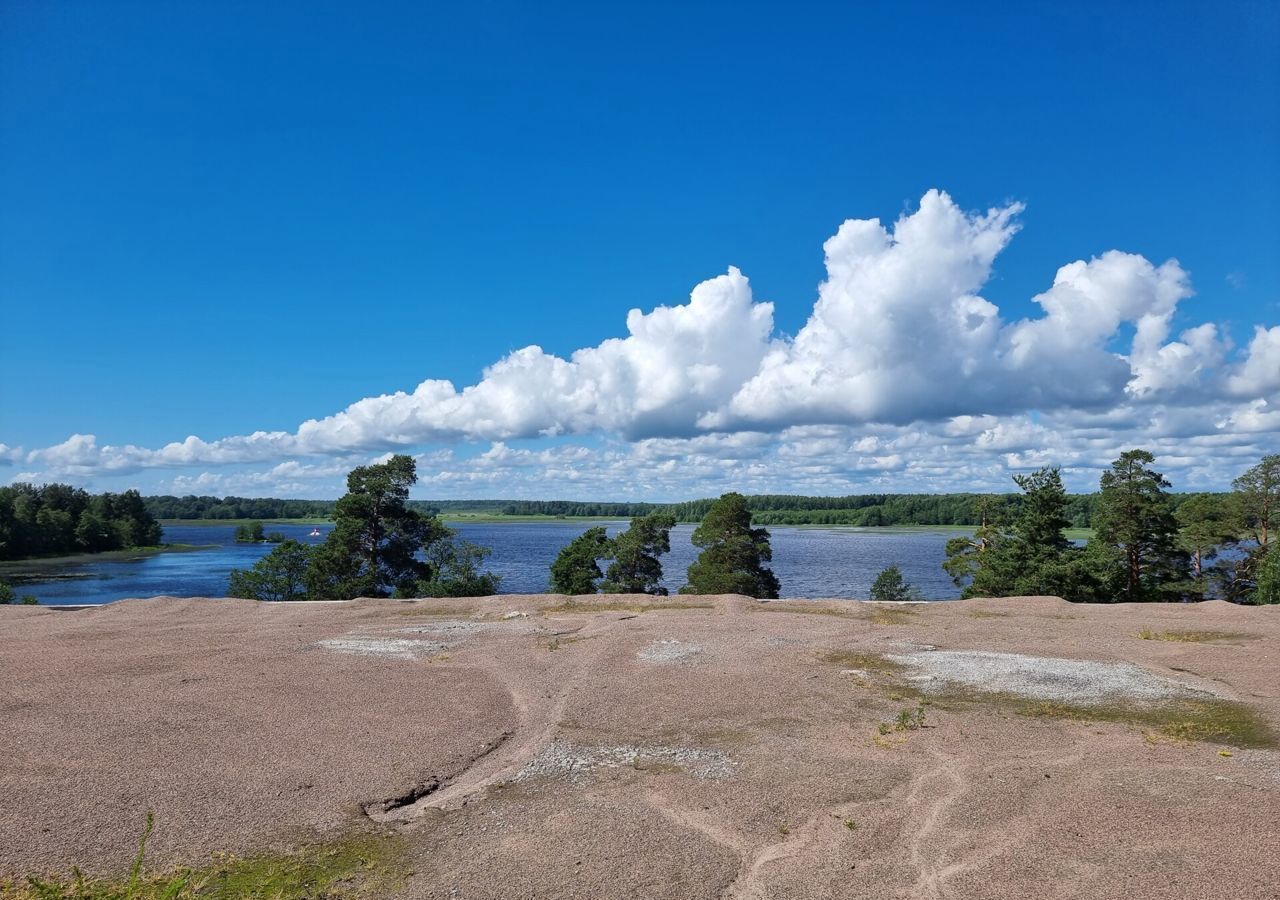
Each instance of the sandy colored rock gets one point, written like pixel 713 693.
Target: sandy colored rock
pixel 591 752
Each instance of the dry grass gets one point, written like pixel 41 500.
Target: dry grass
pixel 871 663
pixel 1193 637
pixel 893 615
pixel 1212 721
pixel 573 606
pixel 792 607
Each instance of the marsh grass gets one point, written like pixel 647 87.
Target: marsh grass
pixel 1193 637
pixel 355 866
pixel 1212 721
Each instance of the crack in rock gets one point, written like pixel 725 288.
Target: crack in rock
pixel 389 809
pixel 416 800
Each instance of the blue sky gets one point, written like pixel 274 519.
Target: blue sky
pixel 234 219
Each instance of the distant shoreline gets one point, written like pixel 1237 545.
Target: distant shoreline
pixel 490 519
pixel 105 556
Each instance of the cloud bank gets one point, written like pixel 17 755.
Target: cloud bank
pixel 904 375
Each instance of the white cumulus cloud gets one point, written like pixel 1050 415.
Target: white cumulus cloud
pixel 903 375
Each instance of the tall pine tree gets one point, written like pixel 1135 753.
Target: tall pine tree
pixel 1134 517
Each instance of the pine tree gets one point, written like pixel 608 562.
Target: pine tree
pixel 636 567
pixel 1034 557
pixel 372 550
pixel 577 569
pixel 1257 498
pixel 964 553
pixel 1205 525
pixel 890 586
pixel 1134 516
pixel 733 553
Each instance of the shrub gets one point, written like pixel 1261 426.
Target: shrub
pixel 891 586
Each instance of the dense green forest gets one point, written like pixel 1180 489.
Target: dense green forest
pixel 267 508
pixel 767 509
pixel 56 519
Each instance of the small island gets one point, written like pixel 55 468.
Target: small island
pixel 253 533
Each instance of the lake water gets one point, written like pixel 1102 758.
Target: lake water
pixel 810 562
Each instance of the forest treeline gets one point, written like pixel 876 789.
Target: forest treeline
pixel 56 519
pixel 868 510
pixel 266 508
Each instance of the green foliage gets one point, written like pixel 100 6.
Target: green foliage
pixel 455 570
pixel 58 519
pixel 378 547
pixel 964 553
pixel 371 551
pixel 1135 518
pixel 636 568
pixel 6 593
pixel 249 533
pixel 891 586
pixel 1034 556
pixel 1257 499
pixel 1207 522
pixel 1267 590
pixel 874 510
pixel 867 510
pixel 733 553
pixel 280 575
pixel 576 569
pixel 29 600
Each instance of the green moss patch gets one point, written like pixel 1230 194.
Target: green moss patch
pixel 1211 721
pixel 356 866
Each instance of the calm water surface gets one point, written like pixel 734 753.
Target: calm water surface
pixel 810 562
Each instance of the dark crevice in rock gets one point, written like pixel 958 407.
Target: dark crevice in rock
pixel 386 809
pixel 412 803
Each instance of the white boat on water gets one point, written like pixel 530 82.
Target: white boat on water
pixel 315 532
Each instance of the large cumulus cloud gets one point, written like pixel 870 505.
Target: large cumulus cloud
pixel 901 357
